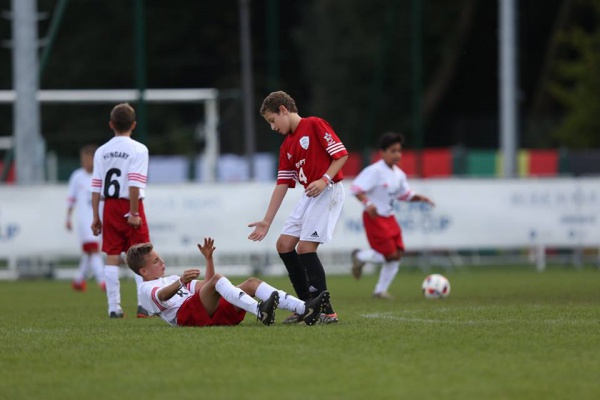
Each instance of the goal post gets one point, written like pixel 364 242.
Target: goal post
pixel 208 96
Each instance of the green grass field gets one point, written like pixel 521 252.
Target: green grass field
pixel 504 333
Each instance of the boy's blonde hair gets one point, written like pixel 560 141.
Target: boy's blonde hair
pixel 136 256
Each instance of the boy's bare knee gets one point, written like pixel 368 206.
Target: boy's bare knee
pixel 254 281
pixel 250 285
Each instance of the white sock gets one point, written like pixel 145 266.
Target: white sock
pixel 82 270
pixel 97 267
pixel 236 296
pixel 113 288
pixel 138 282
pixel 286 300
pixel 370 256
pixel 388 272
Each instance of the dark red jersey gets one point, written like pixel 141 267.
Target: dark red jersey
pixel 306 154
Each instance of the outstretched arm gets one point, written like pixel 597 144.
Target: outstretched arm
pixel 261 228
pixel 207 251
pixel 424 199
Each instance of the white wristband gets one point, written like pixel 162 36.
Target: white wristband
pixel 327 177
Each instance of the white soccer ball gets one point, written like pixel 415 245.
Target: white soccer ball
pixel 436 286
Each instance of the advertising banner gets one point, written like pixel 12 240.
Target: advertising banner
pixel 469 214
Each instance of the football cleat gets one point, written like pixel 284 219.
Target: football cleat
pixel 116 314
pixel 266 309
pixel 79 286
pixel 328 318
pixel 383 295
pixel 357 265
pixel 314 308
pixel 142 312
pixel 293 319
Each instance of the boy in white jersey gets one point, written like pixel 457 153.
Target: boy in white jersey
pixel 120 171
pixel 313 155
pixel 185 301
pixel 79 197
pixel 377 187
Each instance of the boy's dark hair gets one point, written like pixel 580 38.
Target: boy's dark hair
pixel 274 100
pixel 122 116
pixel 136 254
pixel 390 138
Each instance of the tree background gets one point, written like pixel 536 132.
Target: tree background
pixel 346 61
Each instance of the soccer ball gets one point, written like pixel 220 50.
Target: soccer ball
pixel 436 286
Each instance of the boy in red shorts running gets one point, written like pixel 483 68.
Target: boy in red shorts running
pixel 378 187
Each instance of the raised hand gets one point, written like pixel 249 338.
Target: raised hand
pixel 208 248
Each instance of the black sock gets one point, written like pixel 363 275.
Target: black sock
pixel 297 274
pixel 316 275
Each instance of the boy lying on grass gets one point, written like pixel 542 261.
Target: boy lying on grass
pixel 186 301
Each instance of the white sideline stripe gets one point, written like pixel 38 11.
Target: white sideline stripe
pixel 480 322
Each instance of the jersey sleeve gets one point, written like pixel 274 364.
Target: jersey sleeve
pixel 286 174
pixel 406 193
pixel 72 190
pixel 97 173
pixel 138 171
pixel 191 286
pixel 365 181
pixel 329 140
pixel 149 297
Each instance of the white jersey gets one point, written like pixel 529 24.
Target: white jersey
pixel 382 185
pixel 79 196
pixel 167 310
pixel 118 164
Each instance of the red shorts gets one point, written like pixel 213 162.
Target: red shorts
pixel 117 235
pixel 384 234
pixel 90 247
pixel 192 313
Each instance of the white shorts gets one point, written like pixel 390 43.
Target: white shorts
pixel 314 218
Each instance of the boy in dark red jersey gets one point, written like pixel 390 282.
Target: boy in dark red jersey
pixel 312 154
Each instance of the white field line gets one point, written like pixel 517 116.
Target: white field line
pixel 450 320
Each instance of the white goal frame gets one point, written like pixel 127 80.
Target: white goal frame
pixel 95 96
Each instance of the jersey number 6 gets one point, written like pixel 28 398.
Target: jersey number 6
pixel 110 182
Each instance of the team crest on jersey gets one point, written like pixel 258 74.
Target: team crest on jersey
pixel 328 138
pixel 304 141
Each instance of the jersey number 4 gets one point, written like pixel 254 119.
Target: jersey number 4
pixel 111 184
pixel 301 177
